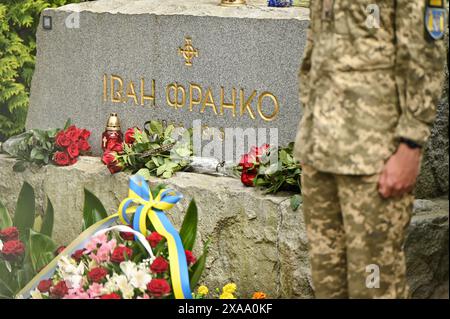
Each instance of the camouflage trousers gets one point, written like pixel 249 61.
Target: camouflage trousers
pixel 355 236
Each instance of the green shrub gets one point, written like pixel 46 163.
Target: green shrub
pixel 18 22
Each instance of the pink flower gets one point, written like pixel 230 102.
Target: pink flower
pixel 144 296
pixel 103 253
pixel 77 294
pixel 94 290
pixel 95 242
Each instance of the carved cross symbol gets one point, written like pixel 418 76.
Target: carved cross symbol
pixel 188 52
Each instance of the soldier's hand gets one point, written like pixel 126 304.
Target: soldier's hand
pixel 400 172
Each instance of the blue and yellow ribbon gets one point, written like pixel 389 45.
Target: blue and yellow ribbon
pixel 141 204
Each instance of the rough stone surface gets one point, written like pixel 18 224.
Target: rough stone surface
pixel 433 179
pixel 252 48
pixel 257 241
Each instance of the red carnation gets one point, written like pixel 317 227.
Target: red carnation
pixel 9 233
pixel 159 265
pixel 97 274
pixel 83 145
pixel 119 254
pixel 190 258
pixel 73 133
pixel 61 158
pixel 62 140
pixel 247 161
pixel 110 296
pixel 129 136
pixel 84 134
pixel 154 238
pixel 73 150
pixel 44 285
pixel 59 290
pixel 78 254
pixel 127 235
pixel 59 250
pixel 12 250
pixel 158 287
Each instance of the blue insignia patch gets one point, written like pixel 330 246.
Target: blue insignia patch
pixel 435 21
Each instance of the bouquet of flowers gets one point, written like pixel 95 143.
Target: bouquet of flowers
pixel 154 151
pixel 142 258
pixel 58 146
pixel 271 168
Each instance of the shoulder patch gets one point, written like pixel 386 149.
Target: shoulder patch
pixel 435 19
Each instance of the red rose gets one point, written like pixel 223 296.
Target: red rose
pixel 61 158
pixel 78 254
pixel 44 285
pixel 119 254
pixel 62 140
pixel 73 133
pixel 73 160
pixel 108 157
pixel 73 150
pixel 190 258
pixel 115 167
pixel 158 287
pixel 9 233
pixel 97 274
pixel 114 146
pixel 129 136
pixel 127 235
pixel 154 238
pixel 84 134
pixel 59 250
pixel 248 177
pixel 110 296
pixel 159 265
pixel 59 290
pixel 83 145
pixel 247 161
pixel 12 250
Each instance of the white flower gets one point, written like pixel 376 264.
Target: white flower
pixel 1 244
pixel 128 268
pixel 140 280
pixel 71 272
pixel 124 286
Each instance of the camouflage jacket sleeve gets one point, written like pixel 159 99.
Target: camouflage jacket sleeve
pixel 419 71
pixel 306 65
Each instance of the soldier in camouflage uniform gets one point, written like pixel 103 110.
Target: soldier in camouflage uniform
pixel 368 92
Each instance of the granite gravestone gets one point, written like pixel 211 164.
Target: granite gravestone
pixel 224 67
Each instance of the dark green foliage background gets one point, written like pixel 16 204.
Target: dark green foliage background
pixel 18 22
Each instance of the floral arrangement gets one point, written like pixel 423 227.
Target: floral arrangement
pixel 257 169
pixel 57 146
pixel 154 151
pixel 126 264
pixel 111 267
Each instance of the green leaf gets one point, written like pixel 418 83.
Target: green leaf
pixel 5 219
pixel 42 250
pixel 25 209
pixel 197 269
pixel 144 172
pixel 296 200
pixel 93 210
pixel 188 229
pixel 19 167
pixel 156 127
pixel 47 224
